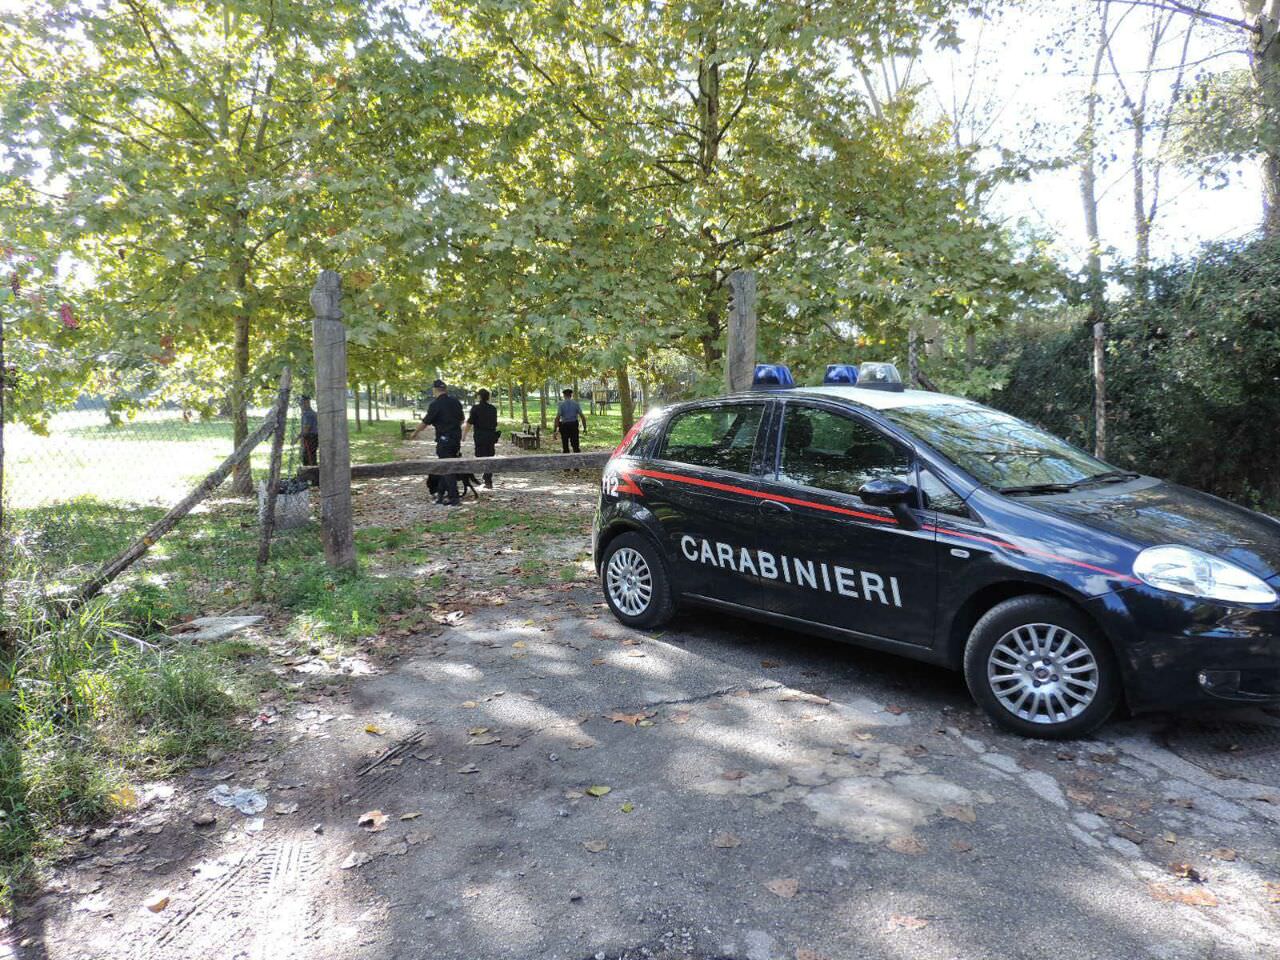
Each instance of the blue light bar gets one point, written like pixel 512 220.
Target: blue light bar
pixel 772 376
pixel 841 373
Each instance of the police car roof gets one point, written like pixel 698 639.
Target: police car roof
pixel 874 399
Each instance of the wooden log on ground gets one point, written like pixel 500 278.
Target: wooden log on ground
pixel 534 463
pixel 113 568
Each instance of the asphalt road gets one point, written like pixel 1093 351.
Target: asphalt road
pixel 768 795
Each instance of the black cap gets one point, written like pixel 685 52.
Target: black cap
pixel 439 385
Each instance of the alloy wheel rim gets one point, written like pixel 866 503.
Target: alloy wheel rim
pixel 1043 673
pixel 629 581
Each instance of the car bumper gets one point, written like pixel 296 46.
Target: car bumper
pixel 1175 651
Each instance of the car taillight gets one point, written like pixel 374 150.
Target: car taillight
pixel 626 441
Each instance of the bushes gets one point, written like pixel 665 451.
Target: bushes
pixel 1192 375
pixel 82 706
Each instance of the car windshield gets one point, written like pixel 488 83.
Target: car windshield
pixel 999 450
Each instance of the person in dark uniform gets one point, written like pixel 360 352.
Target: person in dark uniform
pixel 568 417
pixel 445 414
pixel 309 432
pixel 483 420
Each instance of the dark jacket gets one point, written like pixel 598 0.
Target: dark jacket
pixel 484 420
pixel 445 414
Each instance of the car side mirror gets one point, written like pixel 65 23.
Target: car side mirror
pixel 897 495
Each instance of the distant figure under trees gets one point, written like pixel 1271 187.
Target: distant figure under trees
pixel 569 419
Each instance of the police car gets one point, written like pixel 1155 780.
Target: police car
pixel 943 530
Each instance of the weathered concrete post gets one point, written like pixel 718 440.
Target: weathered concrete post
pixel 740 353
pixel 329 336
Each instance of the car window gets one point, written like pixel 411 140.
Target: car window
pixel 718 437
pixel 824 449
pixel 938 496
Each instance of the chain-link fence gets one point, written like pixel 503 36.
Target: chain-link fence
pixel 85 484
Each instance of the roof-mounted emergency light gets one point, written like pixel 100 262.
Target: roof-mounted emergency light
pixel 846 373
pixel 880 376
pixel 772 376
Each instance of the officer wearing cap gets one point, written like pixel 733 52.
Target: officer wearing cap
pixel 445 414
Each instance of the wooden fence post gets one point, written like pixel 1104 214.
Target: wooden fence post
pixel 329 336
pixel 740 355
pixel 273 478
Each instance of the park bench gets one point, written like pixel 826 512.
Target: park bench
pixel 529 438
pixel 406 429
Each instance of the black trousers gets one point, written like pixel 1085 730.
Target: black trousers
pixel 486 448
pixel 310 449
pixel 448 447
pixel 569 436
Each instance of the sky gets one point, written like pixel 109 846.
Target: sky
pixel 1032 90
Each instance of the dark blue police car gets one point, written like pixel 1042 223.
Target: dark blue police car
pixel 940 529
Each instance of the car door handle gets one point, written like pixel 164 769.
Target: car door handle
pixel 773 506
pixel 651 483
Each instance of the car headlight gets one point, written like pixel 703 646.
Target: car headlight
pixel 1196 574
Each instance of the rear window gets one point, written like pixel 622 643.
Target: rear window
pixel 722 438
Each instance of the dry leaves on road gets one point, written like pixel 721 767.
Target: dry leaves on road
pixel 726 840
pixel 599 790
pixel 902 921
pixel 681 716
pixel 410 816
pixel 907 843
pixel 804 953
pixel 1194 897
pixel 630 719
pixel 895 709
pixel 157 901
pixel 784 887
pixel 962 812
pixel 595 846
pixel 961 846
pixel 1223 853
pixel 1186 872
pixel 375 820
pixel 354 859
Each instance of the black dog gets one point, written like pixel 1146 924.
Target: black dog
pixel 467 481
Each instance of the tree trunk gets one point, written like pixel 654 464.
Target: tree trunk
pixel 4 386
pixel 542 402
pixel 708 156
pixel 1264 64
pixel 355 391
pixel 242 479
pixel 913 356
pixel 1094 279
pixel 368 399
pixel 511 401
pixel 524 402
pixel 625 400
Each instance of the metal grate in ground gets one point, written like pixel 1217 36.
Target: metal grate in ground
pixel 1244 745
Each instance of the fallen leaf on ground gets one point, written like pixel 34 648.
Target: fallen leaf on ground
pixel 284 809
pixel 726 840
pixel 895 709
pixel 1194 897
pixel 1169 837
pixel 354 859
pixel 681 716
pixel 519 645
pixel 1223 853
pixel 627 807
pixel 477 731
pixel 375 820
pixel 784 887
pixel 907 843
pixel 410 816
pixel 483 741
pixel 373 728
pixel 157 901
pixel 733 774
pixel 961 812
pixel 804 953
pixel 916 750
pixel 1114 811
pixel 126 798
pixel 1081 796
pixel 599 790
pixel 803 697
pixel 470 704
pixel 597 661
pixel 469 768
pixel 1187 872
pixel 902 921
pixel 961 846
pixel 630 719
pixel 1273 891
pixel 596 846
pixel 631 642
pixel 741 693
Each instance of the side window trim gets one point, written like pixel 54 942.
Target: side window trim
pixel 913 456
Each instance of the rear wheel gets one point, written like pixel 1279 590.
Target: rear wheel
pixel 635 582
pixel 1038 667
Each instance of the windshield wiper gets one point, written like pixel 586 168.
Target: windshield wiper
pixel 1108 476
pixel 1037 488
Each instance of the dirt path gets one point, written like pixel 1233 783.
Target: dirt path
pixel 555 785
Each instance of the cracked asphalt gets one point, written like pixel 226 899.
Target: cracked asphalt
pixel 558 786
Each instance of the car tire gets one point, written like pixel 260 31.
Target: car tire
pixel 635 582
pixel 1040 668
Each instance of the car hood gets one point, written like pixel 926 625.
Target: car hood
pixel 1153 512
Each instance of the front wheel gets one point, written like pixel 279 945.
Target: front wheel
pixel 1039 668
pixel 635 582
